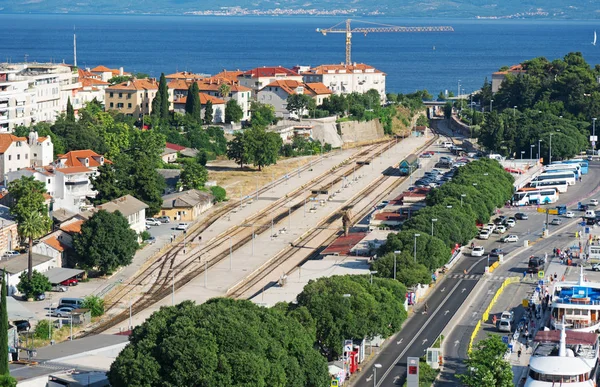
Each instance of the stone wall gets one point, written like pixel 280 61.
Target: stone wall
pixel 354 131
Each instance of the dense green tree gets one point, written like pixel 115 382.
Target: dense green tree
pixel 95 304
pixel 263 147
pixel 298 103
pixel 350 306
pixel 193 176
pixel 237 149
pixel 202 157
pixel 192 103
pixel 34 286
pixel 263 115
pixel 105 242
pixel 422 120
pixel 431 250
pixel 33 225
pixel 106 185
pixel 448 109
pixel 233 112
pixel 408 272
pixel 208 113
pixel 70 111
pixel 219 193
pixel 160 103
pixel 486 365
pixel 3 326
pixel 119 79
pixel 222 342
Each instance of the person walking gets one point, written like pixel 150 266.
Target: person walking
pixel 519 354
pixel 425 309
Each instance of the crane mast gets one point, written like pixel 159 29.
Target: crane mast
pixel 348 30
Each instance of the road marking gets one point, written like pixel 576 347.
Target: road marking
pixel 399 341
pixel 446 312
pixel 396 378
pixel 456 343
pixel 474 314
pixel 464 290
pixel 442 291
pixel 424 341
pixel 369 378
pixel 385 374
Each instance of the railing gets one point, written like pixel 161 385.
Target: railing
pixel 574 325
pixel 576 301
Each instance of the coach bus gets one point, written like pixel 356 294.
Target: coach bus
pixel 575 168
pixel 526 196
pixel 560 185
pixel 567 176
pixel 582 163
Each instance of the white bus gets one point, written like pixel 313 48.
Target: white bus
pixel 527 196
pixel 560 185
pixel 575 168
pixel 568 176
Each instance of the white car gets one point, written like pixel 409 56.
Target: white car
pixel 490 226
pixel 506 315
pixel 182 226
pixel 510 223
pixel 153 222
pixel 510 238
pixel 477 251
pixel 10 254
pixel 569 214
pixel 484 234
pixel 501 229
pixel 593 202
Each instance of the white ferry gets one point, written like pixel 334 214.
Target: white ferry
pixel 578 302
pixel 563 358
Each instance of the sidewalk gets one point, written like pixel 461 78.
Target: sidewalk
pixel 250 257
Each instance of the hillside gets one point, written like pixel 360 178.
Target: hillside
pixel 582 9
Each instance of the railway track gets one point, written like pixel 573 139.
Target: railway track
pixel 156 274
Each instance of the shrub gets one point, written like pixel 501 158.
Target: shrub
pixel 39 284
pixel 145 235
pixel 219 193
pixel 42 330
pixel 95 304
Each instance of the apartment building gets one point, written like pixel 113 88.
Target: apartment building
pixel 347 79
pixel 34 92
pixel 92 87
pixel 17 153
pixel 277 93
pixel 260 77
pixel 133 98
pixel 104 73
pixel 218 107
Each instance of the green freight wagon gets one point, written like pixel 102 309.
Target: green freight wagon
pixel 409 165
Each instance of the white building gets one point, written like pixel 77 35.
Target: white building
pixel 19 152
pixel 104 73
pixel 15 266
pixel 241 94
pixel 218 107
pixel 132 209
pixel 92 87
pixel 260 77
pixel 16 100
pixel 276 94
pixel 347 79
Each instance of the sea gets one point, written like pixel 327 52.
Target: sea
pixel 456 61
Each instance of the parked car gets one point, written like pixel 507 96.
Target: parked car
pixel 10 254
pixel 505 326
pixel 490 226
pixel 521 216
pixel 501 229
pixel 569 214
pixel 596 267
pixel 182 226
pixel 497 252
pixel 164 219
pixel 40 297
pixel 150 240
pixel 484 234
pixel 593 202
pixel 59 288
pixel 70 282
pixel 477 251
pixel 510 238
pixel 22 325
pixel 63 311
pixel 556 222
pixel 500 220
pixel 507 315
pixel 510 223
pixel 153 222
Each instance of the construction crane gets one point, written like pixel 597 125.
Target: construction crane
pixel 336 29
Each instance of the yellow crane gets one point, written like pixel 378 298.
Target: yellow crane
pixel 336 29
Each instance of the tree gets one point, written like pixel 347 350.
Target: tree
pixel 448 109
pixel 297 104
pixel 233 112
pixel 263 147
pixel 3 327
pixel 160 103
pixel 486 365
pixel 119 79
pixel 106 185
pixel 224 90
pixel 222 342
pixel 408 272
pixel 34 286
pixel 193 107
pixel 70 111
pixel 202 157
pixel 219 193
pixel 208 113
pixel 95 304
pixel 263 115
pixel 237 149
pixel 33 226
pixel 422 120
pixel 193 176
pixel 105 242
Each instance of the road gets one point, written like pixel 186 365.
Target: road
pixel 452 291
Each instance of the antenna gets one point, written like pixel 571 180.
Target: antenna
pixel 74 48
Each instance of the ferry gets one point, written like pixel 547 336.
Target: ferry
pixel 563 358
pixel 578 302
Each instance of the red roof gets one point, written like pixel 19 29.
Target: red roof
pixel 343 244
pixel 204 98
pixel 260 72
pixel 74 158
pixel 394 216
pixel 176 147
pixel 343 69
pixel 6 140
pixel 56 244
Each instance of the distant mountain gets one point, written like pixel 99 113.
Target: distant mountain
pixel 554 9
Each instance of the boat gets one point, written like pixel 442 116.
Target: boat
pixel 578 302
pixel 594 42
pixel 563 358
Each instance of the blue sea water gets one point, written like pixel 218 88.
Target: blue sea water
pixel 201 44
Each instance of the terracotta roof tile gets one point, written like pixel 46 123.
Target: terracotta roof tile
pixel 318 88
pixel 100 69
pixel 72 227
pixel 204 98
pixel 178 84
pixel 71 170
pixel 6 140
pixel 289 86
pixel 73 158
pixel 270 72
pixel 135 84
pixel 174 146
pixel 56 244
pixel 183 75
pixel 327 69
pixel 214 84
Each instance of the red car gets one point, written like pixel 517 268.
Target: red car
pixel 70 282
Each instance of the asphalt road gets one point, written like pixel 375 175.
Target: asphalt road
pixel 449 295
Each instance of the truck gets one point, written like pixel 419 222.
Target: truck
pixel 536 264
pixel 561 210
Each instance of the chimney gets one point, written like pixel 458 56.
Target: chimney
pixel 120 70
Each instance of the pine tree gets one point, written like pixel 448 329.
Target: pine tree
pixel 163 91
pixel 192 103
pixel 208 113
pixel 156 105
pixel 3 328
pixel 70 111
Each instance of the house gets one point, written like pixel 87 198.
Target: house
pixel 54 246
pixel 92 87
pixel 105 74
pixel 185 76
pixel 258 78
pixel 277 92
pixel 133 98
pixel 499 76
pixel 218 106
pixel 15 266
pixel 169 155
pixel 347 79
pixel 132 209
pixel 186 205
pixel 9 238
pixel 14 154
pixel 240 94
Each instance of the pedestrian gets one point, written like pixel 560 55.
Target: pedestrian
pixel 526 345
pixel 531 275
pixel 524 274
pixel 425 308
pixel 519 354
pixel 555 276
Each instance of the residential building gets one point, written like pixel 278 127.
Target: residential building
pixel 19 152
pixel 260 77
pixel 133 98
pixel 92 87
pixel 277 92
pixel 169 155
pixel 15 266
pixel 53 246
pixel 104 73
pixel 347 79
pixel 218 107
pixel 41 149
pixel 185 76
pixel 131 208
pixel 241 94
pixel 186 205
pixel 499 76
pixel 9 238
pixel 34 92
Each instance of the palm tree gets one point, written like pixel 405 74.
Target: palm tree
pixel 33 226
pixel 224 90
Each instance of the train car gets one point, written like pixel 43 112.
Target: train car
pixel 409 165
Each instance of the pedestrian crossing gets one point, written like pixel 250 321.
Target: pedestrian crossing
pixel 477 277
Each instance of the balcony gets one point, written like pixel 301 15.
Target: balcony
pixel 76 182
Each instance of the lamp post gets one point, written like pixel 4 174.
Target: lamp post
pixel 395 252
pixel 372 272
pixel 522 154
pixel 432 221
pixel 531 151
pixel 514 111
pixel 461 199
pixel 593 136
pixel 375 374
pixel 491 102
pixel 539 149
pixel 415 252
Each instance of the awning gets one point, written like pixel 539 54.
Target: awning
pixel 60 274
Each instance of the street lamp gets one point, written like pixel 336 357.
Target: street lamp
pixel 395 252
pixel 531 151
pixel 416 236
pixel 461 199
pixel 514 111
pixel 491 102
pixel 372 272
pixel 593 136
pixel 375 374
pixel 522 154
pixel 432 221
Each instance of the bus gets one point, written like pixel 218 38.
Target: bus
pixel 582 163
pixel 567 176
pixel 560 185
pixel 535 196
pixel 575 168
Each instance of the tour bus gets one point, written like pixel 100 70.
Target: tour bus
pixel 575 168
pixel 569 177
pixel 582 163
pixel 529 196
pixel 560 185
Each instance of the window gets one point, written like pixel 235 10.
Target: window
pixel 35 155
pixel 128 96
pixel 112 104
pixel 48 181
pixel 9 157
pixel 129 105
pixel 26 156
pixel 120 95
pixel 112 94
pixel 119 105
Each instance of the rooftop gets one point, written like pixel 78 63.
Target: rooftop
pixel 204 98
pixel 342 69
pixel 135 85
pixel 7 139
pixel 186 199
pixel 343 244
pixel 59 274
pixel 55 244
pixel 73 227
pixel 127 205
pixel 260 72
pixel 77 158
pixel 18 264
